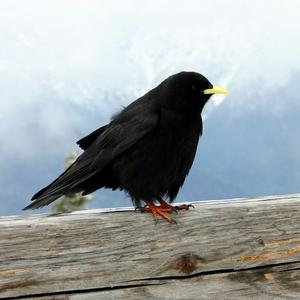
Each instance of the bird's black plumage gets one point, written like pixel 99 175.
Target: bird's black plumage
pixel 147 149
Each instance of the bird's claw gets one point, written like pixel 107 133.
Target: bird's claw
pixel 141 208
pixel 183 207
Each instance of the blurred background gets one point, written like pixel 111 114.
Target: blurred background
pixel 66 66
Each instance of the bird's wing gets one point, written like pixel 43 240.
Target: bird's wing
pixel 121 134
pixel 86 141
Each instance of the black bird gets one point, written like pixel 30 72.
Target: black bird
pixel 146 150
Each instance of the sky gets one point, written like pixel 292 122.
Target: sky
pixel 66 66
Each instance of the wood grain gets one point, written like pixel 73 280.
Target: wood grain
pixel 229 249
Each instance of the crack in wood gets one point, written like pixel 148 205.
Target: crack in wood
pixel 220 271
pixel 79 291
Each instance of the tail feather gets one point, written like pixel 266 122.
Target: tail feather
pixel 67 183
pixel 42 201
pixel 39 193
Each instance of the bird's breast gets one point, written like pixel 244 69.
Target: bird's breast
pixel 177 137
pixel 179 129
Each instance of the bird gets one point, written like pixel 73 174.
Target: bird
pixel 146 150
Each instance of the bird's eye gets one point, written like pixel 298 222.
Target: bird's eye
pixel 194 87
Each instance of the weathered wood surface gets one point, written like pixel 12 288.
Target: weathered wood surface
pixel 231 249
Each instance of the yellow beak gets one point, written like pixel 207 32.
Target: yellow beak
pixel 216 90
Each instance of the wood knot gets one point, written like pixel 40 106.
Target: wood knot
pixel 260 241
pixel 187 263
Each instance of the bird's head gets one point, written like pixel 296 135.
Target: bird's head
pixel 187 92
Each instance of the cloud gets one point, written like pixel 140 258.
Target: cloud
pixel 85 48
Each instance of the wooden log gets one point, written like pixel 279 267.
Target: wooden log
pixel 229 249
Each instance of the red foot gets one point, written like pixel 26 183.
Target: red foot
pixel 157 211
pixel 174 208
pixel 183 206
pixel 164 204
pixel 163 209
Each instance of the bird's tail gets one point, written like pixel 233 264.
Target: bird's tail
pixel 48 194
pixel 42 201
pixel 69 182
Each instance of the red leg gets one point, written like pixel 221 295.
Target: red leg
pixel 164 204
pixel 157 210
